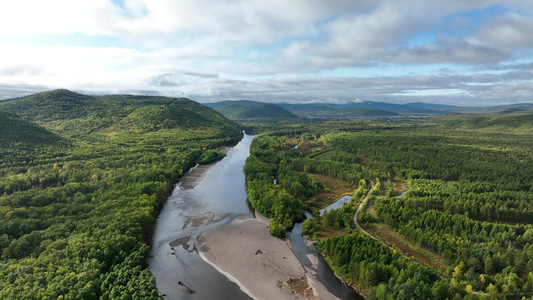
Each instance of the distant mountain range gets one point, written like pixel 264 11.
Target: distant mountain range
pixel 245 109
pixel 259 110
pixel 104 110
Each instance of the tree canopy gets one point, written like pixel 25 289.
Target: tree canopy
pixel 82 179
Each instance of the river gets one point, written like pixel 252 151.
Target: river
pixel 221 196
pixel 315 263
pixel 221 192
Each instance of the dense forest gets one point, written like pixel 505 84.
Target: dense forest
pixel 462 230
pixel 81 181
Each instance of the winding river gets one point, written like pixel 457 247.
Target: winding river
pixel 315 263
pixel 216 201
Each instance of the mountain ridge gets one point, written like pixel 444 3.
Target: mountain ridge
pixel 250 111
pixel 378 109
pixel 70 113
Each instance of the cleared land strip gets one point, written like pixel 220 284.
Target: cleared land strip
pixel 359 208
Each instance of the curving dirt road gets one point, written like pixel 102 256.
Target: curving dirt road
pixel 359 208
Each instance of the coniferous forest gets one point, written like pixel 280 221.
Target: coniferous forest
pixel 82 179
pixel 462 229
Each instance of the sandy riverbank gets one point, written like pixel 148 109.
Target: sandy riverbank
pixel 195 176
pixel 246 253
pixel 261 264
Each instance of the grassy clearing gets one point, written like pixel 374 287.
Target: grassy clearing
pixel 335 188
pixel 398 185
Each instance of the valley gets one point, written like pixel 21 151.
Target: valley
pixel 84 178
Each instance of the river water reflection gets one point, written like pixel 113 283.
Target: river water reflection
pixel 323 272
pixel 181 274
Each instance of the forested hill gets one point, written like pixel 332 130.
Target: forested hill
pixel 264 110
pixel 323 110
pixel 82 179
pixel 369 109
pixel 504 122
pixel 242 109
pixel 67 112
pixel 15 132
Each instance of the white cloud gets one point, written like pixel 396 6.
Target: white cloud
pixel 450 49
pixel 510 31
pixel 352 39
pixel 30 17
pixel 269 50
pixel 22 69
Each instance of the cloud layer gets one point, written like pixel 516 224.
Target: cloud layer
pixel 470 52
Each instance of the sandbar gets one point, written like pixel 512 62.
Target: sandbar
pixel 246 253
pixel 196 174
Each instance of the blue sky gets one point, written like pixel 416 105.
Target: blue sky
pixel 473 52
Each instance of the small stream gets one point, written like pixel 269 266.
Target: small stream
pixel 323 272
pixel 403 193
pixel 336 205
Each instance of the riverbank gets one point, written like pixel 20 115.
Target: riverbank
pixel 197 174
pixel 246 253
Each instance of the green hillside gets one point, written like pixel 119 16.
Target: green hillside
pixel 160 117
pixel 508 108
pixel 369 109
pixel 233 102
pixel 70 113
pixel 335 111
pixel 236 111
pixel 515 121
pixel 82 179
pixel 48 106
pixel 15 132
